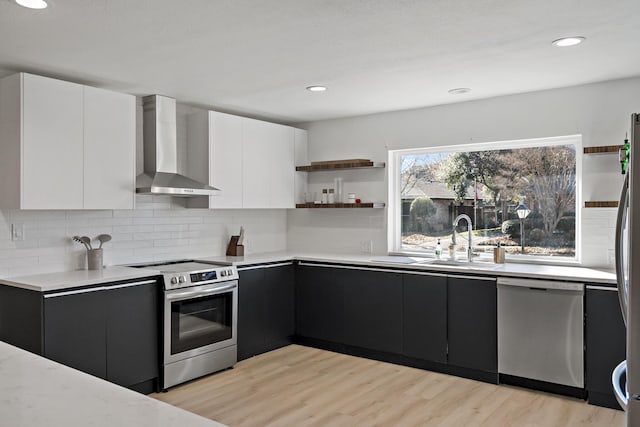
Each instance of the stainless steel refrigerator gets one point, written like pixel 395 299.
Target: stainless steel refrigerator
pixel 626 376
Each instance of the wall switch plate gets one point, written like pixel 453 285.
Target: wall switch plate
pixel 17 232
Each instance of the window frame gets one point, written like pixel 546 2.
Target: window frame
pixel 394 216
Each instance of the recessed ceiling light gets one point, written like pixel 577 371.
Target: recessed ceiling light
pixel 317 88
pixel 32 4
pixel 459 90
pixel 568 41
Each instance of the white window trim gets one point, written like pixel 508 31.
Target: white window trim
pixel 394 234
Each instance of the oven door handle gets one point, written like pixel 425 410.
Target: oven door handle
pixel 201 293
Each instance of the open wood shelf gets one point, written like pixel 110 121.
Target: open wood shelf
pixel 604 149
pixel 373 205
pixel 601 204
pixel 340 164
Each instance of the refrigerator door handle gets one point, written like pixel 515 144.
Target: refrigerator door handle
pixel 619 250
pixel 618 374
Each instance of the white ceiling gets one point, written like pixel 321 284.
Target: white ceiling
pixel 255 57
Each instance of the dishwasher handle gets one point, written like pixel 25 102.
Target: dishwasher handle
pixel 541 284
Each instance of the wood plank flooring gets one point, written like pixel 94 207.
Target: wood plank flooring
pixel 302 386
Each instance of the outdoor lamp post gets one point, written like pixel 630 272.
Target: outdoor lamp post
pixel 523 211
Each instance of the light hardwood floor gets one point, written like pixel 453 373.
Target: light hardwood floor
pixel 302 386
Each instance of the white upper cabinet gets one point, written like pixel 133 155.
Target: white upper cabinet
pixel 268 160
pixel 250 161
pixel 109 149
pixel 65 145
pixel 300 149
pixel 225 160
pixel 52 174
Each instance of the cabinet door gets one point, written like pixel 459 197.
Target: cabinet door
pixel 605 340
pixel 281 173
pixel 301 158
pixel 256 167
pixel 319 304
pixel 373 309
pixel 279 306
pixel 109 149
pixel 132 334
pixel 425 317
pixel 226 159
pixel 472 323
pixel 52 146
pixel 251 313
pixel 74 331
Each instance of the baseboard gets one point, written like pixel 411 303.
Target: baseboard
pixel 146 387
pixel 548 387
pixel 608 400
pixel 398 359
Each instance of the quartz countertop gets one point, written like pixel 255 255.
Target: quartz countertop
pixel 510 269
pixel 77 278
pixel 36 392
pixel 73 279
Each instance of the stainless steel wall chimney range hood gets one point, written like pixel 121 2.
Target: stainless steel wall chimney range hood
pixel 161 153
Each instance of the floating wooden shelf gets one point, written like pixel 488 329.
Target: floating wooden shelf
pixel 374 205
pixel 607 204
pixel 605 149
pixel 340 164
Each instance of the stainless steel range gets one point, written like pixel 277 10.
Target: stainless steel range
pixel 200 319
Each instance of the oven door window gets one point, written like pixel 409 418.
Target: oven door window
pixel 201 321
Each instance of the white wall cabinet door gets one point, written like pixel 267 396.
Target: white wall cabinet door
pixel 301 158
pixel 225 160
pixel 52 144
pixel 256 154
pixel 281 167
pixel 109 149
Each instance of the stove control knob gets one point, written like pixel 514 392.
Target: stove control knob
pixel 174 280
pixel 229 272
pixel 223 273
pixel 182 279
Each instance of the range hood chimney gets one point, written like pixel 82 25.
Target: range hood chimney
pixel 161 153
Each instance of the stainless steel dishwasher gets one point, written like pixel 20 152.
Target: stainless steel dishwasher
pixel 540 330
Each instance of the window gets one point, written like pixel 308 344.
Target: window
pixel 490 183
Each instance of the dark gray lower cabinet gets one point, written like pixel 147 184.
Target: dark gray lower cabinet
pixel 372 309
pixel 319 303
pixel 605 342
pixel 112 334
pixel 472 323
pixel 424 317
pixel 265 309
pixel 75 331
pixel 133 335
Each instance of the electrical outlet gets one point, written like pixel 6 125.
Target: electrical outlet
pixel 17 232
pixel 366 246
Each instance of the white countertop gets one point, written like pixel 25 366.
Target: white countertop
pixel 35 392
pixel 540 271
pixel 72 279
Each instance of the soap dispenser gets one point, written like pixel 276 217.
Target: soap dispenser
pixel 438 249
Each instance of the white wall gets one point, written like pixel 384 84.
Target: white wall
pixel 160 228
pixel 599 112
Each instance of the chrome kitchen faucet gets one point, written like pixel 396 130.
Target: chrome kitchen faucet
pixel 469 230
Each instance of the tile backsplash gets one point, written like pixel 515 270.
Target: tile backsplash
pixel 160 228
